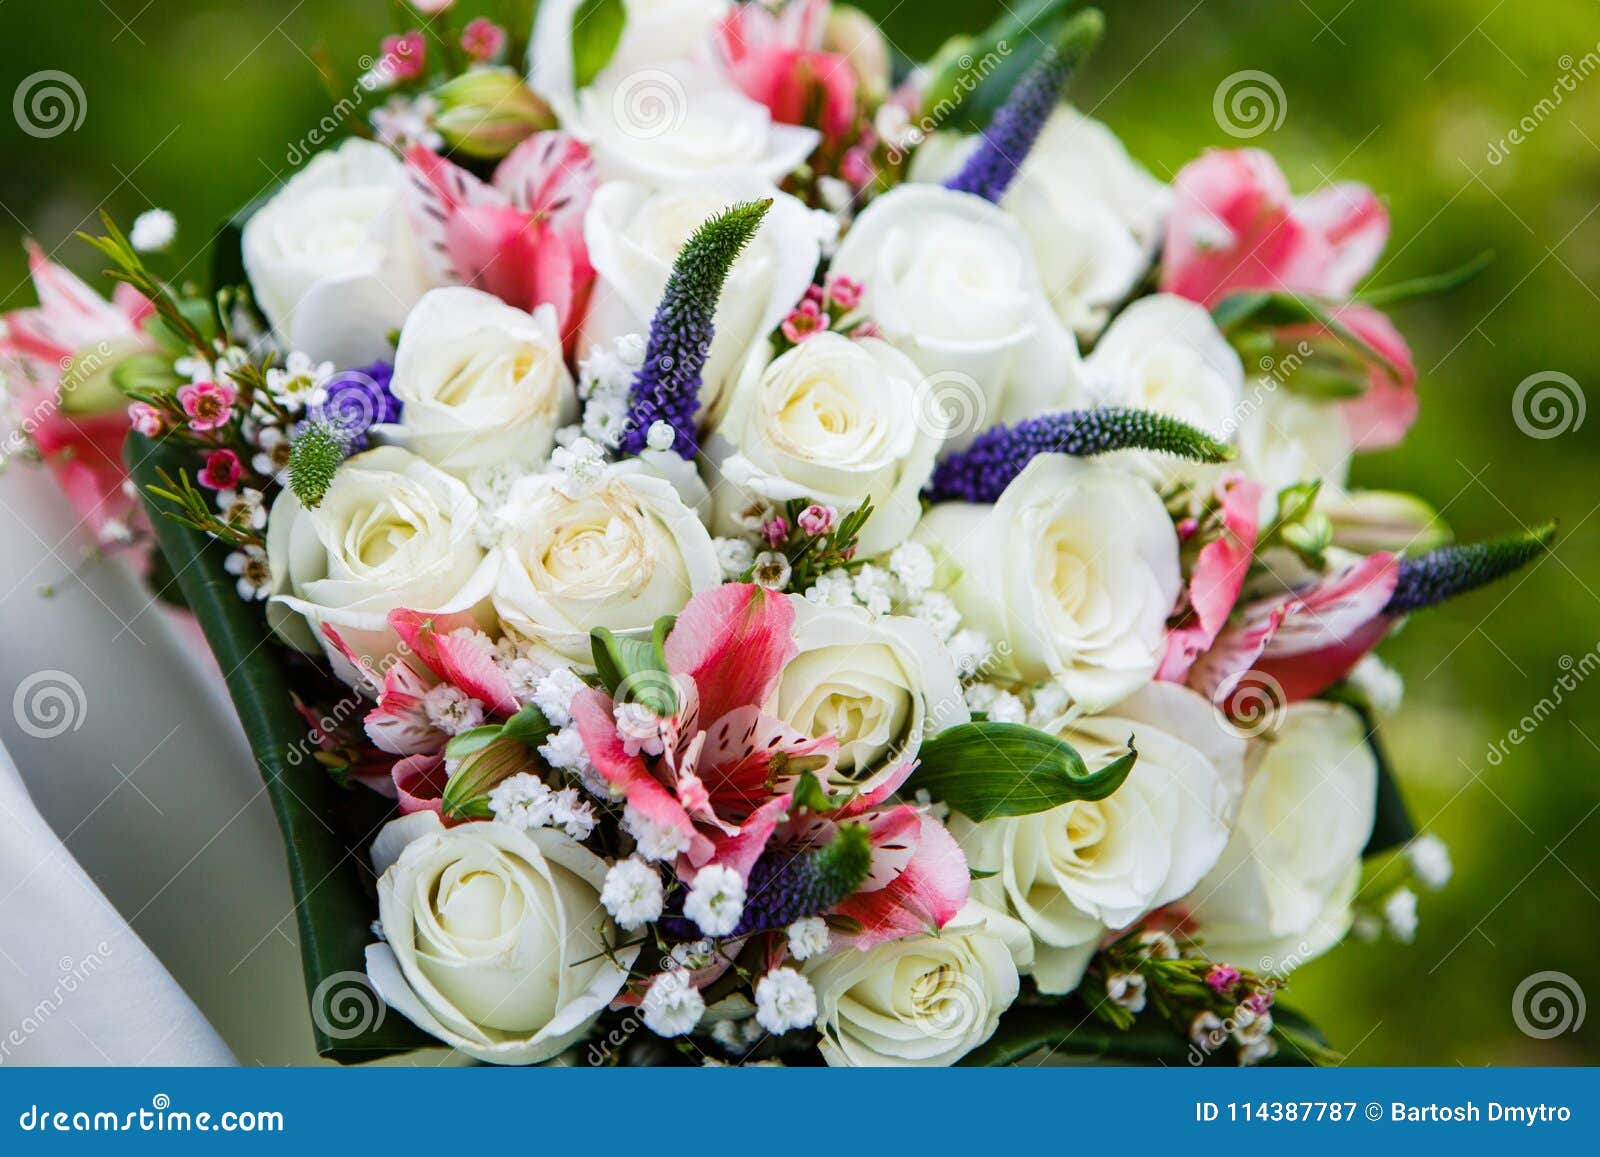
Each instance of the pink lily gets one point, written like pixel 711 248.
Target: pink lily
pixel 1218 577
pixel 1235 226
pixel 1304 641
pixel 720 779
pixel 776 58
pixel 520 238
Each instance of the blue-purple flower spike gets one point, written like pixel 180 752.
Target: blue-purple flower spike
pixel 1443 574
pixel 667 387
pixel 1010 136
pixel 982 471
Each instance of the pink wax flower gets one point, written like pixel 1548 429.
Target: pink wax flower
pixel 818 519
pixel 482 39
pixel 856 167
pixel 775 531
pixel 146 419
pixel 845 292
pixel 1222 977
pixel 806 321
pixel 405 56
pixel 208 404
pixel 222 470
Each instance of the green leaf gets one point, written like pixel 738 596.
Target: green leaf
pixel 635 670
pixel 1430 286
pixel 325 832
pixel 986 770
pixel 528 727
pixel 596 31
pixel 1278 310
pixel 466 794
pixel 146 373
pixel 971 76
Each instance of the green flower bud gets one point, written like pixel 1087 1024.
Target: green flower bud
pixel 487 112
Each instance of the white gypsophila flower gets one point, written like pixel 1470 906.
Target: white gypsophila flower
pixel 153 230
pixel 581 465
pixel 939 611
pixel 772 570
pixel 1400 914
pixel 523 801
pixel 970 649
pixel 1128 990
pixel 735 1034
pixel 981 696
pixel 660 436
pixel 1380 684
pixel 1050 701
pixel 692 956
pixel 1429 858
pixel 656 841
pixel 114 530
pixel 735 556
pixel 1007 708
pixel 785 1000
pixel 833 588
pixel 605 420
pixel 640 728
pixel 523 676
pixel 808 937
pixel 912 563
pixel 673 1006
pixel 555 693
pixel 716 900
pixel 874 589
pixel 249 567
pixel 632 893
pixel 451 709
pixel 564 751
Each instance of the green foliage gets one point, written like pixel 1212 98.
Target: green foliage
pixel 985 770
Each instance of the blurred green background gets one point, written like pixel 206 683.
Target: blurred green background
pixel 198 106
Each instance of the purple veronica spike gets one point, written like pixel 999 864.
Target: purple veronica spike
pixel 1443 574
pixel 983 471
pixel 355 400
pixel 667 387
pixel 1010 136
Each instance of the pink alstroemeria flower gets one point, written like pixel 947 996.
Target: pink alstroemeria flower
pixel 776 58
pixel 1381 417
pixel 1218 577
pixel 720 778
pixel 1236 226
pixel 1302 642
pixel 73 329
pixel 520 238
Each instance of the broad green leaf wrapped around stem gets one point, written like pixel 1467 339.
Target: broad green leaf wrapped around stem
pixel 987 770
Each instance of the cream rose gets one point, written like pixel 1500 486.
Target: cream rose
pixel 878 684
pixel 634 235
pixel 619 554
pixel 923 1001
pixel 1093 213
pixel 830 420
pixel 483 383
pixel 495 941
pixel 1074 570
pixel 1075 872
pixel 392 531
pixel 1286 439
pixel 1281 893
pixel 331 261
pixel 951 280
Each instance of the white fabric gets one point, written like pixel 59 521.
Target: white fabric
pixel 162 822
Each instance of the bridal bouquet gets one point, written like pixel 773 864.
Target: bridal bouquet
pixel 774 553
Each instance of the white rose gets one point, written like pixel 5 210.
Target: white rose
pixel 653 31
pixel 331 260
pixel 923 1001
pixel 879 684
pixel 1285 439
pixel 392 532
pixel 1075 872
pixel 1093 213
pixel 482 382
pixel 1074 569
pixel 1281 892
pixel 495 941
pixel 634 235
pixel 951 280
pixel 619 555
pixel 830 420
pixel 1164 353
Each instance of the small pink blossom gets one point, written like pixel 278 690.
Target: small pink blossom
pixel 775 531
pixel 405 56
pixel 222 470
pixel 1222 977
pixel 208 404
pixel 856 168
pixel 1259 1001
pixel 804 322
pixel 818 519
pixel 845 292
pixel 146 419
pixel 483 39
